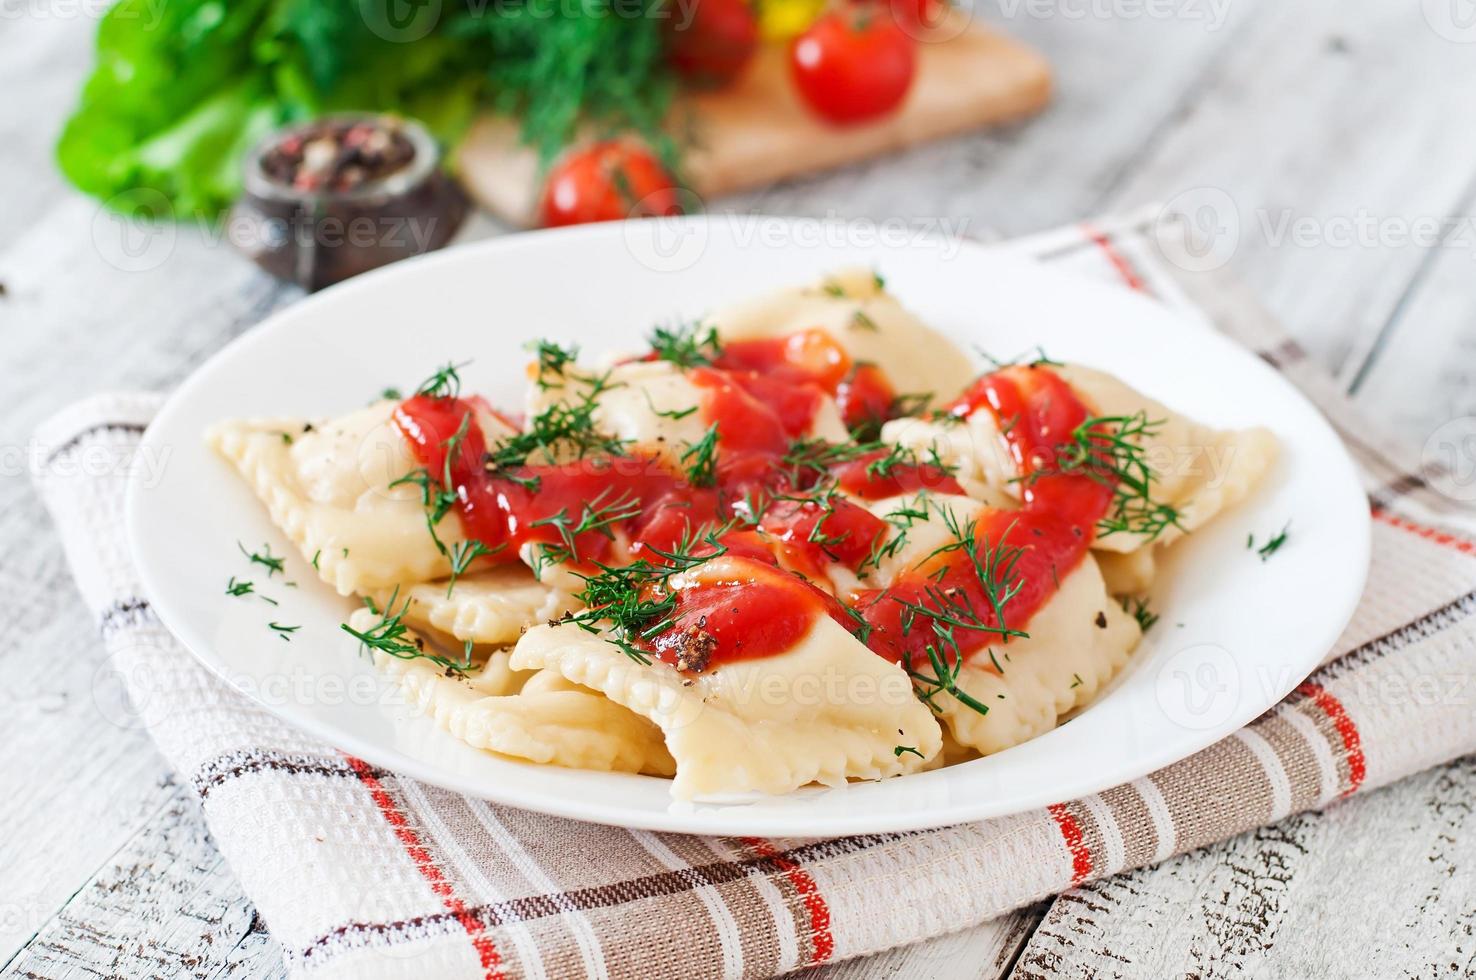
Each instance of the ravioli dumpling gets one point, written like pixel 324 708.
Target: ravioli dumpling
pixel 826 711
pixel 1197 470
pixel 539 717
pixel 866 320
pixel 1078 642
pixel 328 487
pixel 490 607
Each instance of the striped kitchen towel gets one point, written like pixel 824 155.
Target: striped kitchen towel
pixel 362 873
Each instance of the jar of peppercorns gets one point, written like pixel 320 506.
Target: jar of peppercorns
pixel 343 194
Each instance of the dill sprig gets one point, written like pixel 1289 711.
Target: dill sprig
pixel 559 66
pixel 1138 609
pixel 947 610
pixel 702 470
pixel 634 602
pixel 1035 357
pixel 598 515
pixel 563 427
pixel 946 659
pixel 391 636
pixel 272 563
pixel 553 359
pixel 444 383
pixel 438 494
pixel 1109 450
pixel 686 345
pixel 463 553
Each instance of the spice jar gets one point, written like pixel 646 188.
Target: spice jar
pixel 331 198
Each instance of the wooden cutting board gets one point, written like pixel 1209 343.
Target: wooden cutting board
pixel 757 131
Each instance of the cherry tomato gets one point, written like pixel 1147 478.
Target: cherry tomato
pixel 608 181
pixel 715 43
pixel 853 65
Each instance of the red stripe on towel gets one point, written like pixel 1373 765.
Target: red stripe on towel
pixel 1347 731
pixel 1081 857
pixel 822 943
pixel 487 953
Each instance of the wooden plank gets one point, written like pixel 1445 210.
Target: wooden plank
pixel 1423 375
pixel 1333 125
pixel 1378 886
pixel 981 953
pixel 164 905
pixel 42 63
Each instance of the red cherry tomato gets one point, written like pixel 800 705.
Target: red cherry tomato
pixel 853 65
pixel 608 181
pixel 712 41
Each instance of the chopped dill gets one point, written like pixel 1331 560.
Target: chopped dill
pixel 1109 450
pixel 444 383
pixel 906 748
pixel 285 632
pixel 702 470
pixel 391 636
pixel 1138 609
pixel 1272 545
pixel 552 359
pixel 265 558
pixel 686 345
pixel 634 601
pixel 597 515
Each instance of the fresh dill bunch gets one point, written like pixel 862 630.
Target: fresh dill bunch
pixel 557 65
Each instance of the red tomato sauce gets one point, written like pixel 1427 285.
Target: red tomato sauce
pixel 757 610
pixel 763 395
pixel 1024 553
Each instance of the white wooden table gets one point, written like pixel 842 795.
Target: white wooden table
pixel 1336 127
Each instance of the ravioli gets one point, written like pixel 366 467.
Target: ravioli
pixel 826 711
pixel 652 407
pixel 490 607
pixel 1078 642
pixel 539 717
pixel 1197 470
pixel 328 487
pixel 869 322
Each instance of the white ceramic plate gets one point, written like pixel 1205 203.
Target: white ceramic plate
pixel 1235 634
